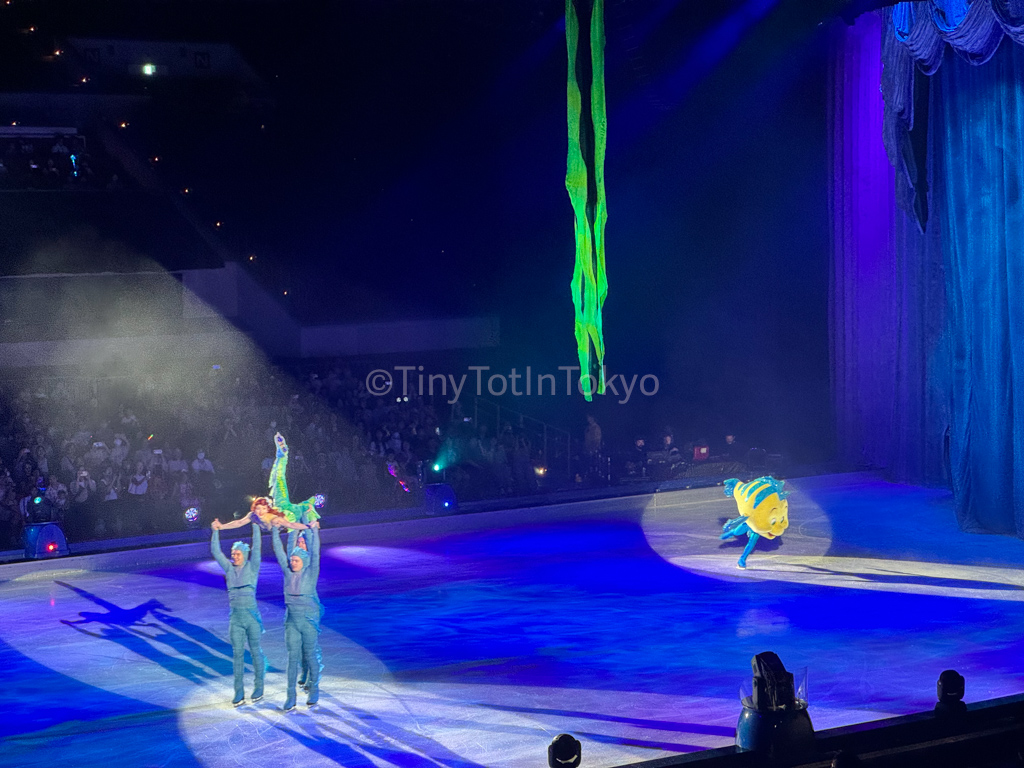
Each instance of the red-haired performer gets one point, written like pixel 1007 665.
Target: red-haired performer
pixel 263 513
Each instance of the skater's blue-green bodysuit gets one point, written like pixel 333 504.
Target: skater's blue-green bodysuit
pixel 245 621
pixel 294 537
pixel 302 614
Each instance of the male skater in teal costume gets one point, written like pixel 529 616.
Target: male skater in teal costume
pixel 302 611
pixel 241 574
pixel 301 540
pixel 304 512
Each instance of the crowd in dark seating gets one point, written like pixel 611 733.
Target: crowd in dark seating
pixel 479 460
pixel 665 459
pixel 57 162
pixel 116 457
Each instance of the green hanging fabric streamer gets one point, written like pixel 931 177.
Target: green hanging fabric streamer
pixel 584 180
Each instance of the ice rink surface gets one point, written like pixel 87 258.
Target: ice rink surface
pixel 474 640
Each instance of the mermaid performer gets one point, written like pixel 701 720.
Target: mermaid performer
pixel 263 513
pixel 302 612
pixel 265 510
pixel 245 623
pixel 304 511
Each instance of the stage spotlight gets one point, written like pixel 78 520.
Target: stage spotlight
pixel 45 540
pixel 564 752
pixel 192 515
pixel 439 499
pixel 774 717
pixel 950 689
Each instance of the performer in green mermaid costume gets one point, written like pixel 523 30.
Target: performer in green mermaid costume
pixel 278 505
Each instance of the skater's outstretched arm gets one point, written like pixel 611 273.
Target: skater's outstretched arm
pixel 753 537
pixel 257 547
pixel 234 523
pixel 215 550
pixel 275 539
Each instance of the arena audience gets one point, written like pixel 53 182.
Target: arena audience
pixel 108 454
pixel 56 162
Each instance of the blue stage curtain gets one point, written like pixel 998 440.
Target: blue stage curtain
pixel 890 380
pixel 928 321
pixel 977 154
pixel 916 37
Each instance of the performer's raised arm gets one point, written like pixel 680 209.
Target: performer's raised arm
pixel 314 550
pixel 257 546
pixel 275 539
pixel 215 550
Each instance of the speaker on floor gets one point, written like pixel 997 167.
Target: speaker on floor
pixel 44 540
pixel 439 499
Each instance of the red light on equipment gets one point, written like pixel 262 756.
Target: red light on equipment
pixel 50 547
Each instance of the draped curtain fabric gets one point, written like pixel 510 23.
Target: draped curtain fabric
pixel 978 159
pixel 916 37
pixel 928 321
pixel 887 298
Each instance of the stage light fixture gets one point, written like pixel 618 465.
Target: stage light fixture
pixel 950 689
pixel 439 499
pixel 149 69
pixel 774 717
pixel 45 540
pixel 191 516
pixel 564 752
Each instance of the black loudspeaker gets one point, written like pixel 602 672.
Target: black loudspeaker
pixel 439 499
pixel 45 540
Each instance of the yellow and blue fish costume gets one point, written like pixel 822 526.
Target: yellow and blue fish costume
pixel 763 509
